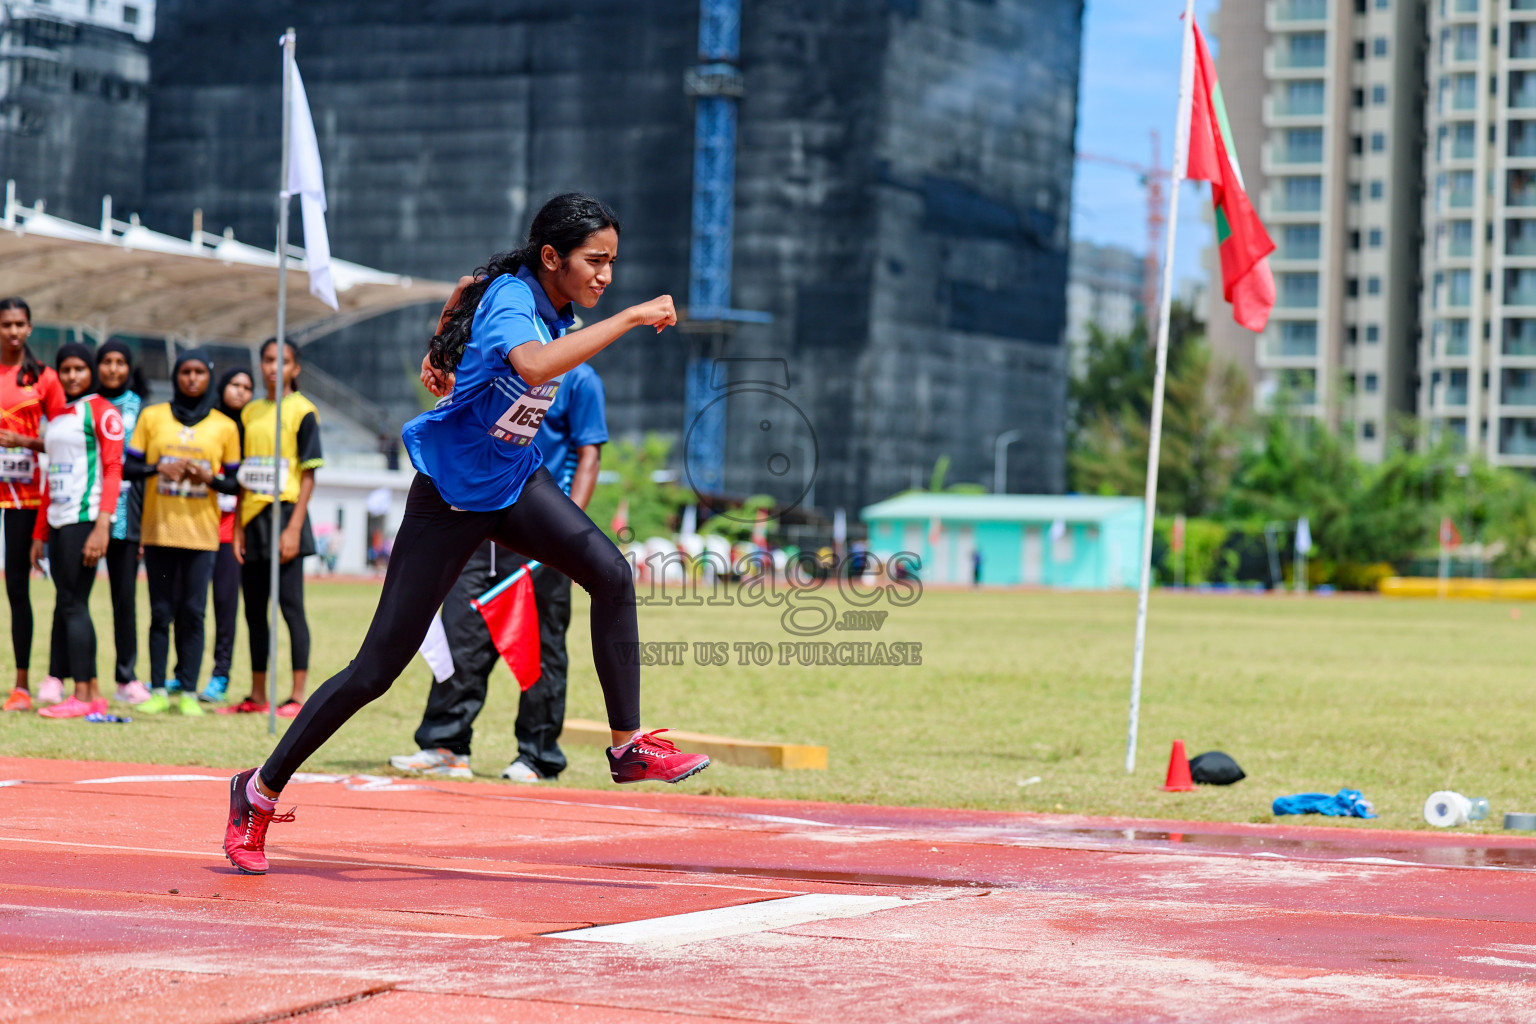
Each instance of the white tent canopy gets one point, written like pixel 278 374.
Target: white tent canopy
pixel 122 278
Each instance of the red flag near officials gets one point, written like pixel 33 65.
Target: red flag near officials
pixel 510 615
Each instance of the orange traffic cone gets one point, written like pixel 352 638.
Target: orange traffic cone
pixel 1178 771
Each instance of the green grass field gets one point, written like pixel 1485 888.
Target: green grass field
pixel 1396 698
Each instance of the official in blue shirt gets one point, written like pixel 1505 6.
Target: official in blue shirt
pixel 570 439
pixel 497 361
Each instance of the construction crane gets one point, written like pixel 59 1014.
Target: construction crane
pixel 716 85
pixel 1154 178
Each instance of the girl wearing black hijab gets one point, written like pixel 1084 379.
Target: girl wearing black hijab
pixel 122 384
pixel 233 391
pixel 189 453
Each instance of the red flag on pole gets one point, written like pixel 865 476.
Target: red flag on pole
pixel 1246 281
pixel 1450 537
pixel 620 516
pixel 510 615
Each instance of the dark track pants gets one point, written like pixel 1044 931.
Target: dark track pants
pixel 226 607
pixel 123 581
pixel 178 591
pixel 73 650
pixel 18 573
pixel 256 579
pixel 454 703
pixel 430 551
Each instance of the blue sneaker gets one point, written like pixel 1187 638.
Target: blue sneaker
pixel 214 694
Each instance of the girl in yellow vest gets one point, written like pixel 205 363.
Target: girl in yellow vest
pixel 295 465
pixel 189 453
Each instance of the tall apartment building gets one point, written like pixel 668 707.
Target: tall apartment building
pixel 1104 286
pixel 1479 345
pixel 1339 182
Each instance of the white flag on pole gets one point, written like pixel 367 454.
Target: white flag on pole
pixel 306 181
pixel 1304 536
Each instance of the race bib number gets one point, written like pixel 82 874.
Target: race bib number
pixel 17 465
pixel 181 488
pixel 258 472
pixel 522 419
pixel 58 482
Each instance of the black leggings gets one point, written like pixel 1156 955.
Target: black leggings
pixel 256 579
pixel 73 653
pixel 226 605
pixel 178 591
pixel 18 575
pixel 431 548
pixel 123 581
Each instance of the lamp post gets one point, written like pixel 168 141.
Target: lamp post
pixel 1000 459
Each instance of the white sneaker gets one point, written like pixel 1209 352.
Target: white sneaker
pixel 518 771
pixel 51 691
pixel 438 762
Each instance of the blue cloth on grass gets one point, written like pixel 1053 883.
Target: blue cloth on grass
pixel 1347 803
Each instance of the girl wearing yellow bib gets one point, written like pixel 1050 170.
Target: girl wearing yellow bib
pixel 294 466
pixel 187 452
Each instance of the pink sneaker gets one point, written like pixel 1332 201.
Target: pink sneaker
pixel 71 708
pixel 132 693
pixel 651 757
pixel 52 691
pixel 98 706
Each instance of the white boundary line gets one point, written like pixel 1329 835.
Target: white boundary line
pixel 766 915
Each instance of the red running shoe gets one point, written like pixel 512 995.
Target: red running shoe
pixel 245 707
pixel 245 837
pixel 651 758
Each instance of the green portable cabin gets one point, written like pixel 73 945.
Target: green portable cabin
pixel 1075 541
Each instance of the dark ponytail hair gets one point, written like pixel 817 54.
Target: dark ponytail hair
pixel 31 370
pixel 291 347
pixel 564 223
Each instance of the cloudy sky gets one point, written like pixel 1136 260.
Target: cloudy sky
pixel 1129 86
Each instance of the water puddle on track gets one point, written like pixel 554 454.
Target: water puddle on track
pixel 1349 847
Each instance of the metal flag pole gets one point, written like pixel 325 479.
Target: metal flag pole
pixel 1159 380
pixel 274 542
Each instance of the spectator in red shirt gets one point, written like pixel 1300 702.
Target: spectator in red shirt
pixel 29 391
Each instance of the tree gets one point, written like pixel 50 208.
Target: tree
pixel 1205 416
pixel 645 482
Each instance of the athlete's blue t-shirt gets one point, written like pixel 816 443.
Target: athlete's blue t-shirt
pixel 577 417
pixel 476 444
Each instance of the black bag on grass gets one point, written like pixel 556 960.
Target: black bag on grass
pixel 1215 769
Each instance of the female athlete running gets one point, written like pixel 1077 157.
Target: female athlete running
pixel 498 356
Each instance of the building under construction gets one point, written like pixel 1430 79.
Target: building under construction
pixel 891 180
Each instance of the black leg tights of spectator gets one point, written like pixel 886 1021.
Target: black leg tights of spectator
pixel 74 637
pixel 178 592
pixel 226 607
pixel 18 573
pixel 256 581
pixel 122 580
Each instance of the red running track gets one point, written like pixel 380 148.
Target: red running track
pixel 400 902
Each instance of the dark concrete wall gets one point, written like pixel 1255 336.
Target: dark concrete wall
pixel 903 184
pixel 72 117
